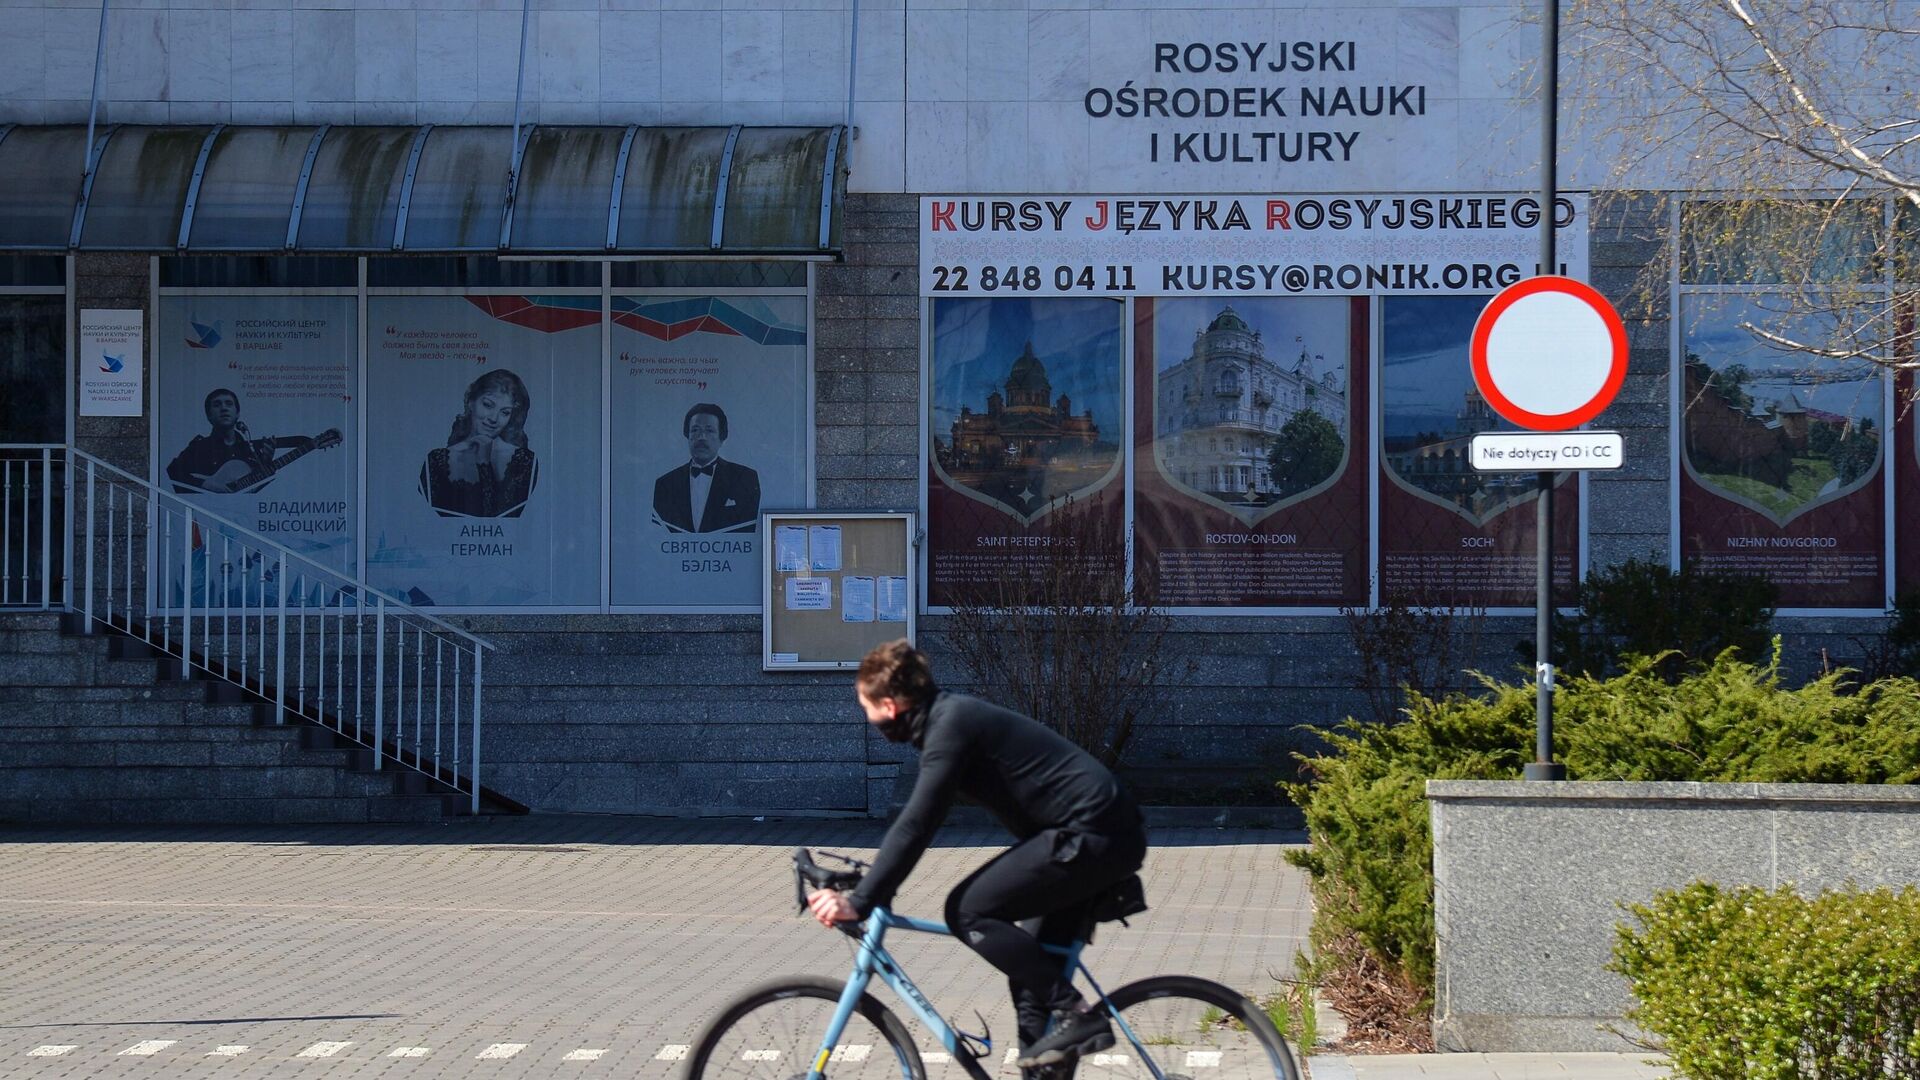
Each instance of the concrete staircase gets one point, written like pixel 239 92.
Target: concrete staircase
pixel 101 729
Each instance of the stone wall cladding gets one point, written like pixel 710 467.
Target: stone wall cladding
pixel 114 281
pixel 1529 879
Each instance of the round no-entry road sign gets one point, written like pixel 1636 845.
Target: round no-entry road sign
pixel 1549 353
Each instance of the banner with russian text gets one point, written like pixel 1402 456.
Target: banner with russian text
pixel 1250 426
pixel 1780 457
pixel 1269 245
pixel 257 424
pixel 709 403
pixel 483 449
pixel 1025 421
pixel 1450 536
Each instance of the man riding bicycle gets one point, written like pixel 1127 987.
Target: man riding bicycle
pixel 1079 835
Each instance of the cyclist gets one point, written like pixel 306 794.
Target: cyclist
pixel 1079 834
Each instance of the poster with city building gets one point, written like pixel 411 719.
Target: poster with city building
pixel 1780 456
pixel 483 464
pixel 1025 417
pixel 709 397
pixel 256 423
pixel 1249 482
pixel 1449 535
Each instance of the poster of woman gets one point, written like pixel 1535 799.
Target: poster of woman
pixel 483 478
pixel 485 470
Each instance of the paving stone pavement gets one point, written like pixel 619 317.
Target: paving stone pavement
pixel 511 947
pixel 1487 1067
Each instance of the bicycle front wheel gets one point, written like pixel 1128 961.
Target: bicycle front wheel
pixel 774 1031
pixel 1176 1027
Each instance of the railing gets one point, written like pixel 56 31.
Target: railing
pixel 313 641
pixel 32 507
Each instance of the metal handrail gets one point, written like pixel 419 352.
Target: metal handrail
pixel 311 640
pixel 208 515
pixel 17 555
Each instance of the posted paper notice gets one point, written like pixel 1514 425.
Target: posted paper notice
pixel 891 598
pixel 809 594
pixel 856 602
pixel 825 540
pixel 790 548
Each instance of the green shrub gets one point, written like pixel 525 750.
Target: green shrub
pixel 1686 616
pixel 1747 984
pixel 1371 858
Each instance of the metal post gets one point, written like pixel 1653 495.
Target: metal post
pixel 99 71
pixel 474 773
pixel 379 678
pixel 87 606
pixel 186 589
pixel 280 649
pixel 46 529
pixel 66 536
pixel 1543 766
pixel 853 67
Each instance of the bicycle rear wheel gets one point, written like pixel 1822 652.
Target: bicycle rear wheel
pixel 773 1032
pixel 1177 1027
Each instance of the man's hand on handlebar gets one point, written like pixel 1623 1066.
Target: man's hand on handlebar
pixel 831 907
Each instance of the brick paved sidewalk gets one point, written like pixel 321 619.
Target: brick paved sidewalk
pixel 500 947
pixel 1486 1067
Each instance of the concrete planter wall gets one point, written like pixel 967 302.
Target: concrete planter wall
pixel 1529 879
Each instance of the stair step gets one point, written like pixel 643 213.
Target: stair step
pixel 105 727
pixel 122 647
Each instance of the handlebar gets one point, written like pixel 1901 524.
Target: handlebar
pixel 807 872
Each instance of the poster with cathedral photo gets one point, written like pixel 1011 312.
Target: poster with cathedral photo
pixel 1450 536
pixel 1025 414
pixel 1780 456
pixel 1249 482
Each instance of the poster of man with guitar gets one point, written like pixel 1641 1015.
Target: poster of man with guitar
pixel 228 459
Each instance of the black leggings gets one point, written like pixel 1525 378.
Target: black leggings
pixel 1050 880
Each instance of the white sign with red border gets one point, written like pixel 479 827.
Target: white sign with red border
pixel 1549 353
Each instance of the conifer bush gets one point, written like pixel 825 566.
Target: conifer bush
pixel 1371 853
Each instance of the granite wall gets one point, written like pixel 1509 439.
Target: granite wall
pixel 1529 879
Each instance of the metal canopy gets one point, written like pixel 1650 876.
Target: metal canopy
pixel 424 189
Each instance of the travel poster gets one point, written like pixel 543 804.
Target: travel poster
pixel 1025 416
pixel 1250 485
pixel 1450 536
pixel 1780 457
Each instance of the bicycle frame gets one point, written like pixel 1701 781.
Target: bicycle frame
pixel 873 959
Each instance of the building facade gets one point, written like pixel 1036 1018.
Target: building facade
pixel 973 262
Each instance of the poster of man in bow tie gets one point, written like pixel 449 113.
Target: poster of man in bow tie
pixel 707 493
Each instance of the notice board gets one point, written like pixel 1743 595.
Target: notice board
pixel 835 585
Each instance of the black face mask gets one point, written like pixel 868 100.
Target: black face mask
pixel 896 730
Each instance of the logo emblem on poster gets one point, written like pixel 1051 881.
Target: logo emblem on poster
pixel 204 336
pixel 112 365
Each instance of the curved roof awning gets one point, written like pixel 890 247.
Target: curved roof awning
pixel 351 189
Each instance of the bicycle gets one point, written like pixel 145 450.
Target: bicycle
pixel 1171 1027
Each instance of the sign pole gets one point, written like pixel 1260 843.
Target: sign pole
pixel 1543 766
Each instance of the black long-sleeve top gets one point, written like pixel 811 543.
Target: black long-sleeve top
pixel 1029 776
